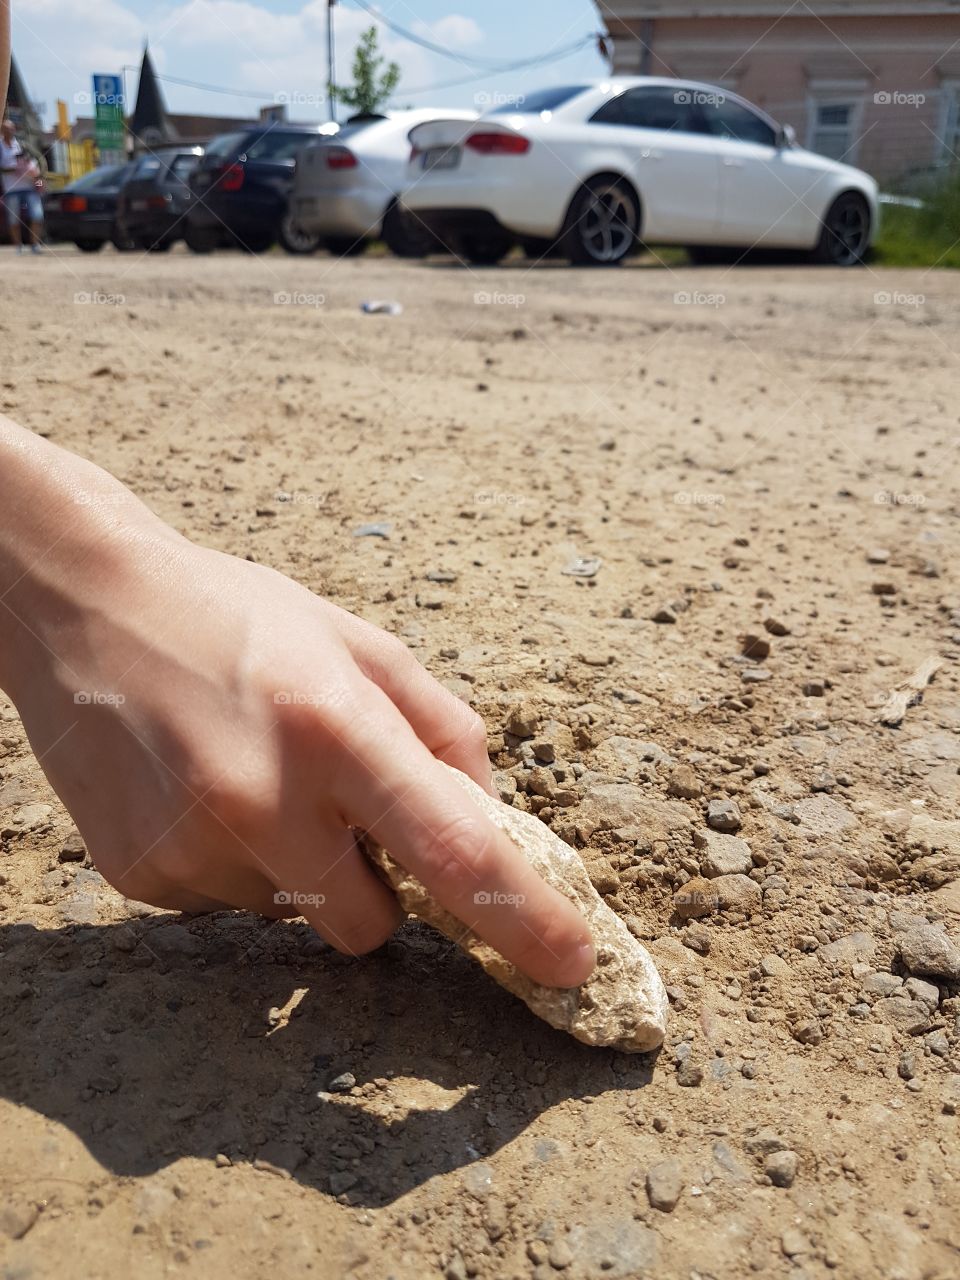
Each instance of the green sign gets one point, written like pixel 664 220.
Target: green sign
pixel 108 113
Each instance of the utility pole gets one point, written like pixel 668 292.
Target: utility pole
pixel 331 92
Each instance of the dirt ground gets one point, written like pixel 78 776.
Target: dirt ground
pixel 770 446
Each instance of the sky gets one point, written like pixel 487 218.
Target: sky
pixel 276 50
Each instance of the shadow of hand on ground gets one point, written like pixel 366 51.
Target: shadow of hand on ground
pixel 167 1037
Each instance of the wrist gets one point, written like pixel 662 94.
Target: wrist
pixel 69 533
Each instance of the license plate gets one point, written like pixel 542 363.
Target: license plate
pixel 440 158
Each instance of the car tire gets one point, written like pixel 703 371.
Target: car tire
pixel 200 239
pixel 404 236
pixel 845 232
pixel 123 243
pixel 346 246
pixel 602 225
pixel 294 240
pixel 89 246
pixel 154 246
pixel 484 248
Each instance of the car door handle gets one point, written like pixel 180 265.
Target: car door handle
pixel 650 153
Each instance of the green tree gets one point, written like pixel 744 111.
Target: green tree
pixel 371 89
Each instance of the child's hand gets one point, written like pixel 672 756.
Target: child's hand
pixel 216 730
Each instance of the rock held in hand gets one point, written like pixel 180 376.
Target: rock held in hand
pixel 622 1004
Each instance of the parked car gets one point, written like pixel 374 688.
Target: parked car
pixel 593 169
pixel 85 210
pixel 152 206
pixel 345 188
pixel 241 188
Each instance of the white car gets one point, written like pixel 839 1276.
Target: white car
pixel 590 170
pixel 345 188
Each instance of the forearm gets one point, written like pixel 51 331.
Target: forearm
pixel 64 524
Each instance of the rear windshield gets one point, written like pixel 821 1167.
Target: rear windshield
pixel 184 165
pixel 539 100
pixel 227 144
pixel 109 175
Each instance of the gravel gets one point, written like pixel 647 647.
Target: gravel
pixel 664 1185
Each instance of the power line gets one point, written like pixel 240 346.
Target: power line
pixel 213 88
pixel 490 63
pixel 541 60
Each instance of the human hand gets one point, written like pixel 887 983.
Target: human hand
pixel 216 730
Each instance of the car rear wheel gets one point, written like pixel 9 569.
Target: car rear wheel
pixel 845 233
pixel 122 242
pixel 346 246
pixel 200 239
pixel 602 224
pixel 404 235
pixel 89 246
pixel 149 245
pixel 485 248
pixel 294 239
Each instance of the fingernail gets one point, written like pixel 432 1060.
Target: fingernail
pixel 580 966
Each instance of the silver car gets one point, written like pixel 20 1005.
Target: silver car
pixel 345 187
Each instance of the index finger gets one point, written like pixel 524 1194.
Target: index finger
pixel 392 787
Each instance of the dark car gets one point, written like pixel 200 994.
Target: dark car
pixel 152 208
pixel 241 188
pixel 85 210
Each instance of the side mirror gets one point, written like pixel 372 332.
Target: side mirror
pixel 786 137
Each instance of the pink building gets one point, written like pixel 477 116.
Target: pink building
pixel 872 82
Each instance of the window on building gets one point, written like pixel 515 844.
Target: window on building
pixel 832 130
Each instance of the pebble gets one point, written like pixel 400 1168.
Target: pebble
pixel 724 815
pixel 738 893
pixel 925 992
pixel 775 627
pixel 878 555
pixel 697 939
pixel 794 1242
pixel 907 1066
pixel 909 1016
pixel 522 720
pixel 756 647
pixel 683 783
pixel 560 1255
pixel 929 951
pixel 723 855
pixel 763 1142
pixel 29 817
pixel 814 688
pixel 883 588
pixel 781 1168
pixel 16 1219
pixel 73 849
pixel 664 615
pixel 689 1074
pixel 698 897
pixel 755 675
pixel 773 966
pixel 664 1185
pixel 880 983
pixel 343 1083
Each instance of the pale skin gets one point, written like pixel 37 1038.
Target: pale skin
pixel 217 732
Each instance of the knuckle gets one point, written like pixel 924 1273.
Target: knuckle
pixel 458 850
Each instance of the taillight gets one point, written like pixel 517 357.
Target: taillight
pixel 340 158
pixel 158 202
pixel 498 144
pixel 232 178
pixel 74 204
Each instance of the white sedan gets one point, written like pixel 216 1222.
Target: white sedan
pixel 588 171
pixel 345 187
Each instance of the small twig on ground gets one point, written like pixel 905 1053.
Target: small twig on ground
pixel 909 693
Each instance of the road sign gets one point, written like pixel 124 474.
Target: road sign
pixel 108 115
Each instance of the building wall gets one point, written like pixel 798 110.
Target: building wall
pixel 883 92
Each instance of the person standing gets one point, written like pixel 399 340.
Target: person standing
pixel 20 176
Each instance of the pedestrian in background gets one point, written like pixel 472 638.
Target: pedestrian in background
pixel 21 182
